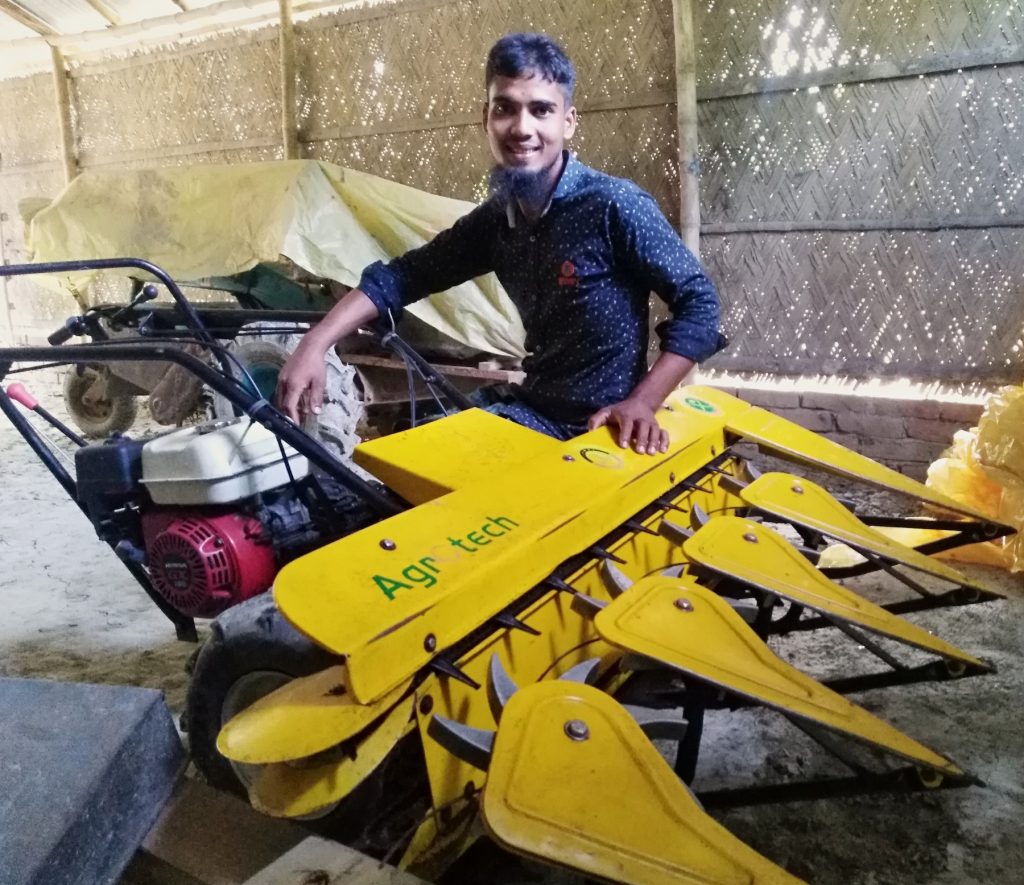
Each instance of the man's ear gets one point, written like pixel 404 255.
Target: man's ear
pixel 570 122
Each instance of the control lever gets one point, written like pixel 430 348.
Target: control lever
pixel 20 394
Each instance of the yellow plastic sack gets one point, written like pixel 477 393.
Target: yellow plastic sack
pixel 984 470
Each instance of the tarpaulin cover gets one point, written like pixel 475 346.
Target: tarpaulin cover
pixel 218 220
pixel 984 470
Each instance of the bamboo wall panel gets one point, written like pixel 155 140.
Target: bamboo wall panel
pixel 944 305
pixel 743 42
pixel 170 100
pixel 419 69
pixel 29 133
pixel 947 146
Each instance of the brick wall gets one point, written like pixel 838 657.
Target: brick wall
pixel 904 434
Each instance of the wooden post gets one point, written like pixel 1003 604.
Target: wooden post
pixel 63 95
pixel 289 129
pixel 686 121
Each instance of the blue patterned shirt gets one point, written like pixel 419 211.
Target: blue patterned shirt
pixel 581 276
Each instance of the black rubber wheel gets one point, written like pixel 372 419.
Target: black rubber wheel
pixel 253 650
pixel 101 419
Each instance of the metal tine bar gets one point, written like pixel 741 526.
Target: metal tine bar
pixel 558 584
pixel 668 505
pixel 504 619
pixel 636 526
pixel 444 667
pixel 899 576
pixel 869 644
pixel 601 553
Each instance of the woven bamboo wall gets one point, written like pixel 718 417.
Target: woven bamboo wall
pixel 889 139
pixel 834 138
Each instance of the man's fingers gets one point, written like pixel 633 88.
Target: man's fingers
pixel 316 393
pixel 625 431
pixel 599 418
pixel 287 396
pixel 642 436
pixel 663 444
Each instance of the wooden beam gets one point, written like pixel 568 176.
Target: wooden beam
pixel 106 11
pixel 686 116
pixel 29 19
pixel 63 99
pixel 289 128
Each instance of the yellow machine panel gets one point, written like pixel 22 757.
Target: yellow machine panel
pixel 759 556
pixel 303 717
pixel 787 439
pixel 693 629
pixel 441 456
pixel 807 504
pixel 574 780
pixel 391 596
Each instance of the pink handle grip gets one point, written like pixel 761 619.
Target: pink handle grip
pixel 19 393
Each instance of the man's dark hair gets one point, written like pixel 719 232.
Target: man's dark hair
pixel 520 55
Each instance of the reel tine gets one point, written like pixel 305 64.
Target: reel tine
pixel 617 579
pixel 472 745
pixel 500 687
pixel 584 672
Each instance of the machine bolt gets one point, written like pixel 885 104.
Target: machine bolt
pixel 750 537
pixel 671 477
pixel 430 643
pixel 568 458
pixel 577 730
pixel 388 544
pixel 714 451
pixel 426 704
pixel 798 489
pixel 683 604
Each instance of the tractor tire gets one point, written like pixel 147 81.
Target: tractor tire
pixel 96 420
pixel 264 349
pixel 252 650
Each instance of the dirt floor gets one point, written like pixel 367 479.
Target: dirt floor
pixel 72 612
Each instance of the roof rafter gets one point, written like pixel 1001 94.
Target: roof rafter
pixel 106 11
pixel 23 17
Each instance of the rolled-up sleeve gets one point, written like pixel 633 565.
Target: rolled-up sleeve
pixel 454 256
pixel 646 243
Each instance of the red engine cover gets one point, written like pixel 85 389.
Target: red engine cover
pixel 203 564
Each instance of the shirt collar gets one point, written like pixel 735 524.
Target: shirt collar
pixel 572 169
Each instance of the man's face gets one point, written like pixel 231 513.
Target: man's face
pixel 528 123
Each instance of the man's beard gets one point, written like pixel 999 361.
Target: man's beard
pixel 528 186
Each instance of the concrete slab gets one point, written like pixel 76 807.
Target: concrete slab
pixel 84 773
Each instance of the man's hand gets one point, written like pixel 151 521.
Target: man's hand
pixel 300 386
pixel 636 423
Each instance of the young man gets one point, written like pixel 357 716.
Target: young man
pixel 579 252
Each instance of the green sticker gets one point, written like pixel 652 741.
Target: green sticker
pixel 700 405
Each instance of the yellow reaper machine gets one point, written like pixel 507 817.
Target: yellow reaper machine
pixel 489 638
pixel 507 649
